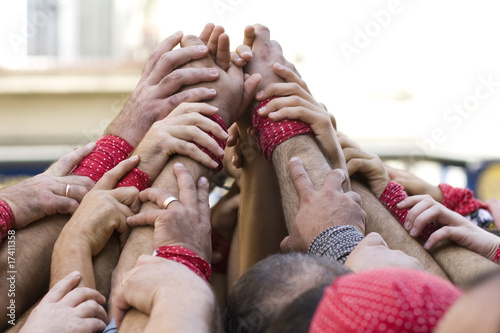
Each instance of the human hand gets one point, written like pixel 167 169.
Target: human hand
pixel 373 252
pixel 425 210
pixel 103 211
pixel 185 222
pixel 369 165
pixel 321 210
pixel 494 207
pixel 412 184
pixel 234 92
pixel 218 44
pixel 172 292
pixel 156 94
pixel 66 308
pixel 45 194
pixel 179 133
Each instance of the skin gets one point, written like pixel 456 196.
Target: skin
pixel 140 240
pixel 414 185
pixel 68 308
pixel 373 252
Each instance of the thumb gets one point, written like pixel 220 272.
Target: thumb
pixel 286 245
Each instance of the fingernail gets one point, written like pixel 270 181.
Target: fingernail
pixel 212 91
pixel 134 158
pixel 262 110
pixel 75 274
pixel 401 203
pixel 214 108
pixel 233 158
pixel 220 151
pixel 202 48
pixel 260 93
pixel 294 159
pixel 407 225
pixel 225 135
pixel 278 65
pixel 214 164
pixel 178 33
pixel 90 144
pixel 203 181
pixel 246 53
pixel 179 165
pixel 213 71
pixel 427 245
pixel 413 231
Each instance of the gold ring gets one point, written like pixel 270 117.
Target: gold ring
pixel 68 187
pixel 168 201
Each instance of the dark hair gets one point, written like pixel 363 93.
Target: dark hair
pixel 296 317
pixel 273 283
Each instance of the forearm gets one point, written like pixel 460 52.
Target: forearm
pixel 69 255
pixel 34 246
pixel 382 222
pixel 261 223
pixel 304 147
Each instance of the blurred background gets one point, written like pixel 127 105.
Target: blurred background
pixel 416 82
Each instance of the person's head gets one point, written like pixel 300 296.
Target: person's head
pixel 384 300
pixel 296 316
pixel 273 283
pixel 478 310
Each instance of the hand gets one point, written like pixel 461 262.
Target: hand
pixel 369 165
pixel 218 44
pixel 171 290
pixel 321 210
pixel 243 53
pixel 45 194
pixel 179 133
pixel 68 309
pixel 234 93
pixel 185 222
pixel 494 208
pixel 155 95
pixel 424 210
pixel 412 184
pixel 103 211
pixel 373 252
pixel 295 102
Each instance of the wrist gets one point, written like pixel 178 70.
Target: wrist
pixel 436 193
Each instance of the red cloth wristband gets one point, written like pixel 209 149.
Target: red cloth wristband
pixel 394 194
pixel 109 151
pixel 222 144
pixel 6 219
pixel 136 178
pixel 497 256
pixel 271 134
pixel 460 200
pixel 186 257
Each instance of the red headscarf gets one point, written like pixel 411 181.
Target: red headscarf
pixel 384 300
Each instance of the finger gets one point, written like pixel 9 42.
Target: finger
pixel 81 295
pixel 415 211
pixel 187 121
pixel 304 114
pixel 288 101
pixel 61 288
pixel 155 195
pixel 120 307
pixel 74 191
pixel 244 52
pixel 374 239
pixel 249 35
pixel 346 142
pixel 289 76
pixel 187 189
pixel 426 217
pixel 286 245
pixel 411 201
pixel 357 153
pixel 223 53
pixel 62 205
pixel 207 32
pixel 233 133
pixel 68 162
pixel 250 87
pixel 125 195
pixel 172 82
pixel 111 178
pixel 165 46
pixel 91 309
pixel 203 205
pixel 78 180
pixel 237 60
pixel 351 194
pixel 183 147
pixel 444 233
pixel 145 218
pixel 334 180
pixel 186 96
pixel 186 108
pixel 214 40
pixel 300 178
